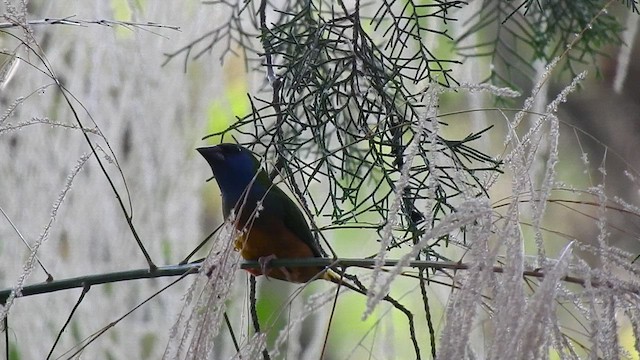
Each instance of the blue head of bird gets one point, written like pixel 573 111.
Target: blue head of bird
pixel 235 168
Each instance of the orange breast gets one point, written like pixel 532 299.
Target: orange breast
pixel 269 236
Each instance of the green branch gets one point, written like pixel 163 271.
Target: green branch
pixel 178 270
pixel 89 280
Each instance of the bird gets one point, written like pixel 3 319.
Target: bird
pixel 270 223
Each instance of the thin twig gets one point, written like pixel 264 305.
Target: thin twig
pixel 427 310
pixel 84 292
pixel 80 22
pixel 233 335
pixel 254 312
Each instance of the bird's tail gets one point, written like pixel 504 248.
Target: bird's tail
pixel 341 280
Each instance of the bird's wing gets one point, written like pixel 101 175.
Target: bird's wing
pixel 294 220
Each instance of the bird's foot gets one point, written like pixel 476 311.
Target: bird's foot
pixel 264 263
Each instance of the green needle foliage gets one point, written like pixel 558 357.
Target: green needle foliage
pixel 518 32
pixel 346 89
pixel 346 86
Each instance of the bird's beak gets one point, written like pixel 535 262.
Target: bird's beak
pixel 211 153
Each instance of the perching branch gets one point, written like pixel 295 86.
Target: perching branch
pixel 178 270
